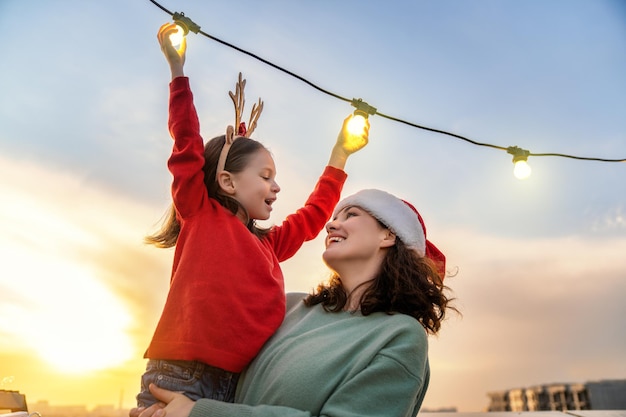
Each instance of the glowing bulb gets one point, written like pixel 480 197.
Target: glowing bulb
pixel 520 156
pixel 184 25
pixel 177 37
pixel 355 128
pixel 521 170
pixel 356 124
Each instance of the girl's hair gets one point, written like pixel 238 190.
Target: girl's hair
pixel 239 154
pixel 406 284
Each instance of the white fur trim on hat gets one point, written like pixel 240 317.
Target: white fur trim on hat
pixel 392 212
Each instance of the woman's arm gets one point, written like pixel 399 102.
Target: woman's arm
pixel 386 388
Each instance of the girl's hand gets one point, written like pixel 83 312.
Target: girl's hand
pixel 175 57
pixel 348 143
pixel 353 140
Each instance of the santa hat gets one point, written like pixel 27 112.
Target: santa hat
pixel 400 217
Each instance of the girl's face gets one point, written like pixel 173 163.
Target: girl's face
pixel 255 187
pixel 355 241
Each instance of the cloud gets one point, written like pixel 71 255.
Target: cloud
pixel 535 311
pixel 73 252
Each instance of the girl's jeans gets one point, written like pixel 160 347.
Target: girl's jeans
pixel 194 379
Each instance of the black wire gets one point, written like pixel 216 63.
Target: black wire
pixel 583 158
pixel 274 66
pixel 330 93
pixel 161 7
pixel 304 80
pixel 440 131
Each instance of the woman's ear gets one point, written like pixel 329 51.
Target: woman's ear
pixel 225 182
pixel 389 239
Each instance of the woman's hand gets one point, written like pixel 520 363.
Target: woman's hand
pixel 173 404
pixel 175 57
pixel 145 412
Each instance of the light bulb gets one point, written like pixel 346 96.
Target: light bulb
pixel 355 129
pixel 521 170
pixel 356 124
pixel 177 37
pixel 184 25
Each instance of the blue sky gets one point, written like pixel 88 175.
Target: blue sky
pixel 541 270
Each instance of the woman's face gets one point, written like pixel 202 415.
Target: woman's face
pixel 355 241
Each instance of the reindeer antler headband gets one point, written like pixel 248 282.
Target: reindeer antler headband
pixel 239 102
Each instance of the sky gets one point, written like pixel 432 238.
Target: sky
pixel 537 267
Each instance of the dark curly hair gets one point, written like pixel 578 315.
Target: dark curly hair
pixel 406 284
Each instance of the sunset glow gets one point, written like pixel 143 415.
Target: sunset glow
pixel 60 309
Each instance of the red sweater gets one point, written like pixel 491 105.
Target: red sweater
pixel 226 293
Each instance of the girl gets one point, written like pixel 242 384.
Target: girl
pixel 357 346
pixel 226 293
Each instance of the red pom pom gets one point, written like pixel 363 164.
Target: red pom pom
pixel 242 129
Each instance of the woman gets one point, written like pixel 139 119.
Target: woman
pixel 357 346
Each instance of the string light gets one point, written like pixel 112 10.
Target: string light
pixel 362 112
pixel 184 26
pixel 191 26
pixel 521 170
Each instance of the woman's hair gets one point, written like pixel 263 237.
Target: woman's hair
pixel 406 284
pixel 239 155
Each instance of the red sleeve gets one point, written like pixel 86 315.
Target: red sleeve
pixel 187 159
pixel 306 223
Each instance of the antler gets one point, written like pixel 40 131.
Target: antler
pixel 238 100
pixel 239 128
pixel 257 108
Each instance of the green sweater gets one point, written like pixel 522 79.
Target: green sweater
pixel 333 364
